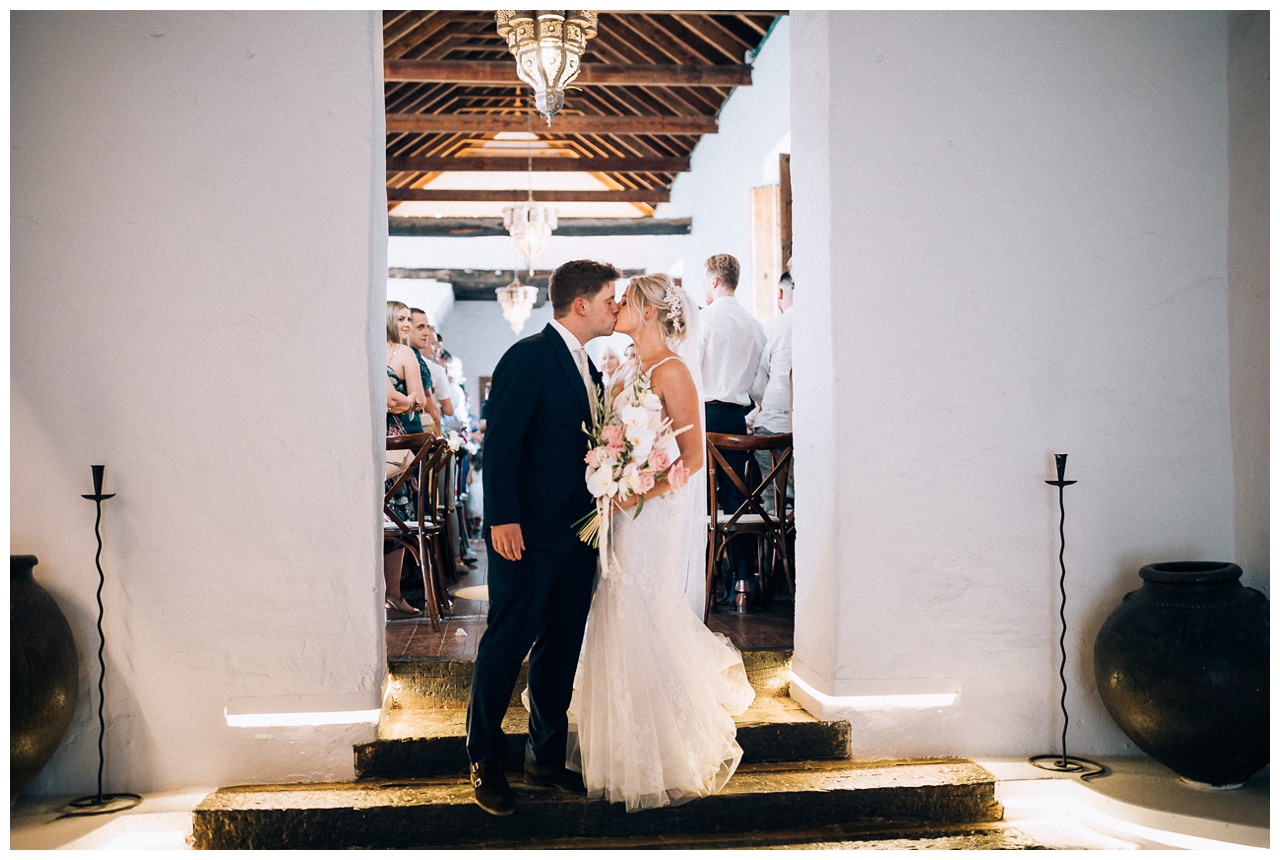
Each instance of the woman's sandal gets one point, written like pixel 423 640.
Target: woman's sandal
pixel 409 612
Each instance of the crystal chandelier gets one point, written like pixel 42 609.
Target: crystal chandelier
pixel 548 46
pixel 530 225
pixel 517 303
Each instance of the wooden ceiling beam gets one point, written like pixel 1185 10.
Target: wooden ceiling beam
pixel 472 227
pixel 540 165
pixel 643 32
pixel 466 72
pixel 481 284
pixel 416 33
pixel 433 195
pixel 563 124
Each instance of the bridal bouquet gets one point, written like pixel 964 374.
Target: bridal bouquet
pixel 633 447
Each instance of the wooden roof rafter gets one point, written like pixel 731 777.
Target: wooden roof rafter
pixel 652 83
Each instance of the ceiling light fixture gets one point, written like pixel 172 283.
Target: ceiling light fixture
pixel 517 303
pixel 548 47
pixel 530 224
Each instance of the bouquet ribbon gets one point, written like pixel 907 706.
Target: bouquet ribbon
pixel 606 518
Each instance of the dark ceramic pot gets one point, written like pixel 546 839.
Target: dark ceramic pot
pixel 44 675
pixel 1182 665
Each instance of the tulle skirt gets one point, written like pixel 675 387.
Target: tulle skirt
pixel 651 721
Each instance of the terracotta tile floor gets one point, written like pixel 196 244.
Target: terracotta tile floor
pixel 413 640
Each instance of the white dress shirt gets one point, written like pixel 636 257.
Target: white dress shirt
pixel 732 343
pixel 775 367
pixel 579 353
pixel 440 385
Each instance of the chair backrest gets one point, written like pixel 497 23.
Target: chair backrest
pixel 779 448
pixel 426 448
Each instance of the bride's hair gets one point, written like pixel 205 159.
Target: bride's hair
pixel 660 293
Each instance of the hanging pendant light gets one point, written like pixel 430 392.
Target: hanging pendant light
pixel 517 302
pixel 548 47
pixel 530 224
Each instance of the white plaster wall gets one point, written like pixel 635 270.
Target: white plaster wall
pixel 477 334
pixel 433 297
pixel 198 225
pixel 1249 302
pixel 1021 221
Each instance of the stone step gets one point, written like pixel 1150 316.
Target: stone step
pixel 834 802
pixel 422 731
pixel 894 836
pixel 421 742
pixel 447 683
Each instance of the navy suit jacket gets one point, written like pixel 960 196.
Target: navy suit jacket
pixel 535 444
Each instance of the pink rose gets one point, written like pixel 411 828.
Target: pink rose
pixel 593 458
pixel 678 476
pixel 613 437
pixel 646 481
pixel 659 459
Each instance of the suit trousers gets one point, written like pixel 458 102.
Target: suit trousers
pixel 727 418
pixel 537 607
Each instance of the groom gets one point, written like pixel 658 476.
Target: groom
pixel 541 575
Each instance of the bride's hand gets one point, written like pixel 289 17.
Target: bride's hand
pixel 629 502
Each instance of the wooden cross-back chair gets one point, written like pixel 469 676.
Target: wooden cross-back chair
pixel 773 530
pixel 422 535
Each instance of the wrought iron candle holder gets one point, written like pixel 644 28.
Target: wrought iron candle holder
pixel 100 804
pixel 1064 763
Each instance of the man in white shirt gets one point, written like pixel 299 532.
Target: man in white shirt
pixel 732 343
pixel 440 387
pixel 774 415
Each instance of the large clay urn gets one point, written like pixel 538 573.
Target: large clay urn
pixel 44 675
pixel 1182 665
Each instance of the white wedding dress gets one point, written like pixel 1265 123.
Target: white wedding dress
pixel 651 721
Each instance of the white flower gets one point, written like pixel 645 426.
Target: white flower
pixel 641 443
pixel 634 417
pixel 652 403
pixel 630 482
pixel 600 482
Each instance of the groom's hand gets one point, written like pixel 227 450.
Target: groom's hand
pixel 508 540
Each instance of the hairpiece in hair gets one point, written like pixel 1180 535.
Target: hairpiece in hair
pixel 675 308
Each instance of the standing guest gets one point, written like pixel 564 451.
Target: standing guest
pixel 732 343
pixel 402 368
pixel 609 366
pixel 627 372
pixel 774 416
pixel 419 332
pixel 439 377
pixel 456 474
pixel 457 390
pixel 404 393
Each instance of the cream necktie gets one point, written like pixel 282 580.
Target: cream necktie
pixel 580 355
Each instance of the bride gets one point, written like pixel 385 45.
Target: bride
pixel 651 720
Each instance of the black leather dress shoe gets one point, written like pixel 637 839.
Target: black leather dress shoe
pixel 555 776
pixel 493 794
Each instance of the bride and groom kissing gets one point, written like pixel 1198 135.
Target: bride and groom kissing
pixel 630 697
